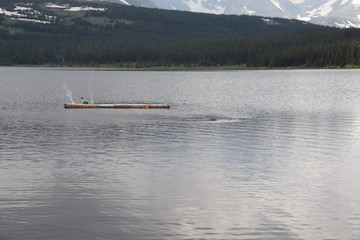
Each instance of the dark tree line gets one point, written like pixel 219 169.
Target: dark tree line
pixel 131 36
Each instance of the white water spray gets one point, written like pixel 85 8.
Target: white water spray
pixel 68 93
pixel 91 95
pixel 90 87
pixel 91 98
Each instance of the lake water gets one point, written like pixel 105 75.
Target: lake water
pixel 271 154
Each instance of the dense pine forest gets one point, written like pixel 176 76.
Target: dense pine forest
pixel 123 36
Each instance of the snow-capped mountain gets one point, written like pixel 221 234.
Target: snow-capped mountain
pixel 341 13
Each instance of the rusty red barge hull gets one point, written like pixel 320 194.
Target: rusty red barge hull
pixel 121 106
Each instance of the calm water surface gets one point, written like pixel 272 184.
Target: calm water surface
pixel 240 155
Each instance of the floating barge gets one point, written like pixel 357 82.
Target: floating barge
pixel 123 106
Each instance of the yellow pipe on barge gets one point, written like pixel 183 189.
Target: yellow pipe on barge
pixel 122 106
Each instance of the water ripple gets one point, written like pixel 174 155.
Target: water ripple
pixel 240 155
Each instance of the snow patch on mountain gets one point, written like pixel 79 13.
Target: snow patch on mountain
pixel 124 2
pixel 298 17
pixel 347 24
pixel 73 9
pixel 297 1
pixel 25 12
pixel 323 9
pixel 84 8
pixel 23 8
pixel 196 6
pixel 248 11
pixel 51 5
pixel 11 13
pixel 32 20
pixel 200 6
pixel 270 21
pixel 277 4
pixel 356 3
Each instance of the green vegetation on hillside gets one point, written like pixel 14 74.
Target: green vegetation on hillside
pixel 130 36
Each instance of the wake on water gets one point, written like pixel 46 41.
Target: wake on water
pixel 212 118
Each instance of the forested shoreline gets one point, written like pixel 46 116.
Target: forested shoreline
pixel 136 37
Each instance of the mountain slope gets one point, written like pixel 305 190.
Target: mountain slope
pixel 88 33
pixel 340 13
pixel 147 19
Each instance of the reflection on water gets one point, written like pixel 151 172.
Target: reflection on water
pixel 240 155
